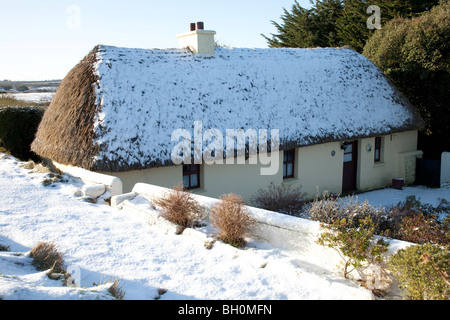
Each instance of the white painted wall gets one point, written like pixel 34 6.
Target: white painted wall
pixel 318 169
pixel 445 168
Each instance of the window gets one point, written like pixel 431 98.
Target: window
pixel 377 156
pixel 288 163
pixel 191 176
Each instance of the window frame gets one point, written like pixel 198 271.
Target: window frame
pixel 286 162
pixel 189 173
pixel 377 150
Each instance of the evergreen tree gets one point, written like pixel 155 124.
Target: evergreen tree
pixel 406 8
pixel 308 28
pixel 334 23
pixel 296 30
pixel 325 16
pixel 352 24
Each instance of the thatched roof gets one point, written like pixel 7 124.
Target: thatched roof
pixel 66 132
pixel 116 110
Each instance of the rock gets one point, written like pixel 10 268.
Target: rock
pixel 94 191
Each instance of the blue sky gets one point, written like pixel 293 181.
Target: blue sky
pixel 44 39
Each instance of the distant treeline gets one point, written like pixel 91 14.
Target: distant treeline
pixel 7 86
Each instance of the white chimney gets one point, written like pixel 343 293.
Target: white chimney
pixel 198 40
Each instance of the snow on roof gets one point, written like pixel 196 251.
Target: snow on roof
pixel 311 95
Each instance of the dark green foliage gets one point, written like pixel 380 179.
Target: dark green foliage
pixel 352 24
pixel 308 28
pixel 423 271
pixel 18 126
pixel 295 32
pixel 334 23
pixel 415 55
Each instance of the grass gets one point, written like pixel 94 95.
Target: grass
pixel 10 101
pixel 46 256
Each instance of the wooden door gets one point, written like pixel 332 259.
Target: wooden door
pixel 350 166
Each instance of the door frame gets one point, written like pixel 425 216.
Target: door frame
pixel 350 168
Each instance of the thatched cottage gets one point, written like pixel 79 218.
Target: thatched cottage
pixel 342 125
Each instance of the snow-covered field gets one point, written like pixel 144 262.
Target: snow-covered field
pixel 38 97
pixel 104 243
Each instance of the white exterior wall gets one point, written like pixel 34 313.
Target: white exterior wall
pixel 317 170
pixel 445 168
pixel 398 160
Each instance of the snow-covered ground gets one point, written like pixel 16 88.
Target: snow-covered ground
pixel 38 97
pixel 103 244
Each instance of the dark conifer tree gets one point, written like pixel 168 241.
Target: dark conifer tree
pixel 334 23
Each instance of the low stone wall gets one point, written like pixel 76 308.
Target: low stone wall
pixel 111 183
pixel 295 235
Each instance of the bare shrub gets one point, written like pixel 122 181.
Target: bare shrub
pixel 116 290
pixel 232 219
pixel 412 221
pixel 287 199
pixel 329 211
pixel 46 256
pixel 179 207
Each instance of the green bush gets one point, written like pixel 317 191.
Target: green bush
pixel 18 127
pixel 355 245
pixel 423 271
pixel 414 54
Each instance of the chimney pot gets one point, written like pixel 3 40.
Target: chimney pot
pixel 200 26
pixel 192 26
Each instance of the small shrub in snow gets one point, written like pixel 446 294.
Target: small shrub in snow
pixel 423 271
pixel 179 207
pixel 330 211
pixel 114 289
pixel 423 229
pixel 232 220
pixel 413 221
pixel 354 244
pixel 46 256
pixel 160 291
pixel 286 199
